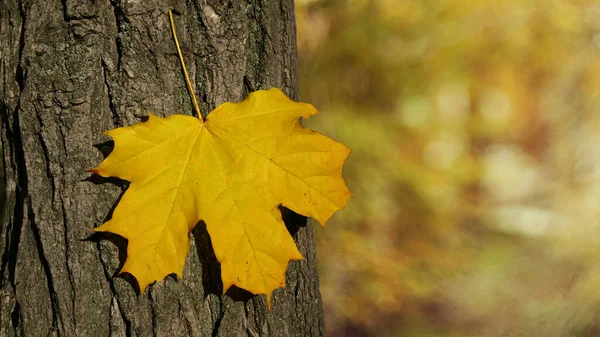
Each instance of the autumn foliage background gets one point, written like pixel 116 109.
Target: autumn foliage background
pixel 475 129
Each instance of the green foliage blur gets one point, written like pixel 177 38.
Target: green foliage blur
pixel 475 130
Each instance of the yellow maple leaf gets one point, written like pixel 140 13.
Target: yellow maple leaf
pixel 233 171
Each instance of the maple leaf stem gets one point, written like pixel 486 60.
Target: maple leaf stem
pixel 187 77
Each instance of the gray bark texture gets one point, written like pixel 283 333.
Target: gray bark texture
pixel 71 69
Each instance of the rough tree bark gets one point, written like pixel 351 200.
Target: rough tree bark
pixel 71 69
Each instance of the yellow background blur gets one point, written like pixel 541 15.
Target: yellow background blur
pixel 475 129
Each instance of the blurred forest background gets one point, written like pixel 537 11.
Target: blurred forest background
pixel 475 129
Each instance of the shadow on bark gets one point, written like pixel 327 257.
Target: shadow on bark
pixel 211 268
pixel 293 221
pixel 105 148
pixel 119 241
pixel 121 244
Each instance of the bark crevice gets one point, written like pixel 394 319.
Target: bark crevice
pixel 111 100
pixel 46 266
pixel 115 299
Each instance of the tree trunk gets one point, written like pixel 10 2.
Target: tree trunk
pixel 72 69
